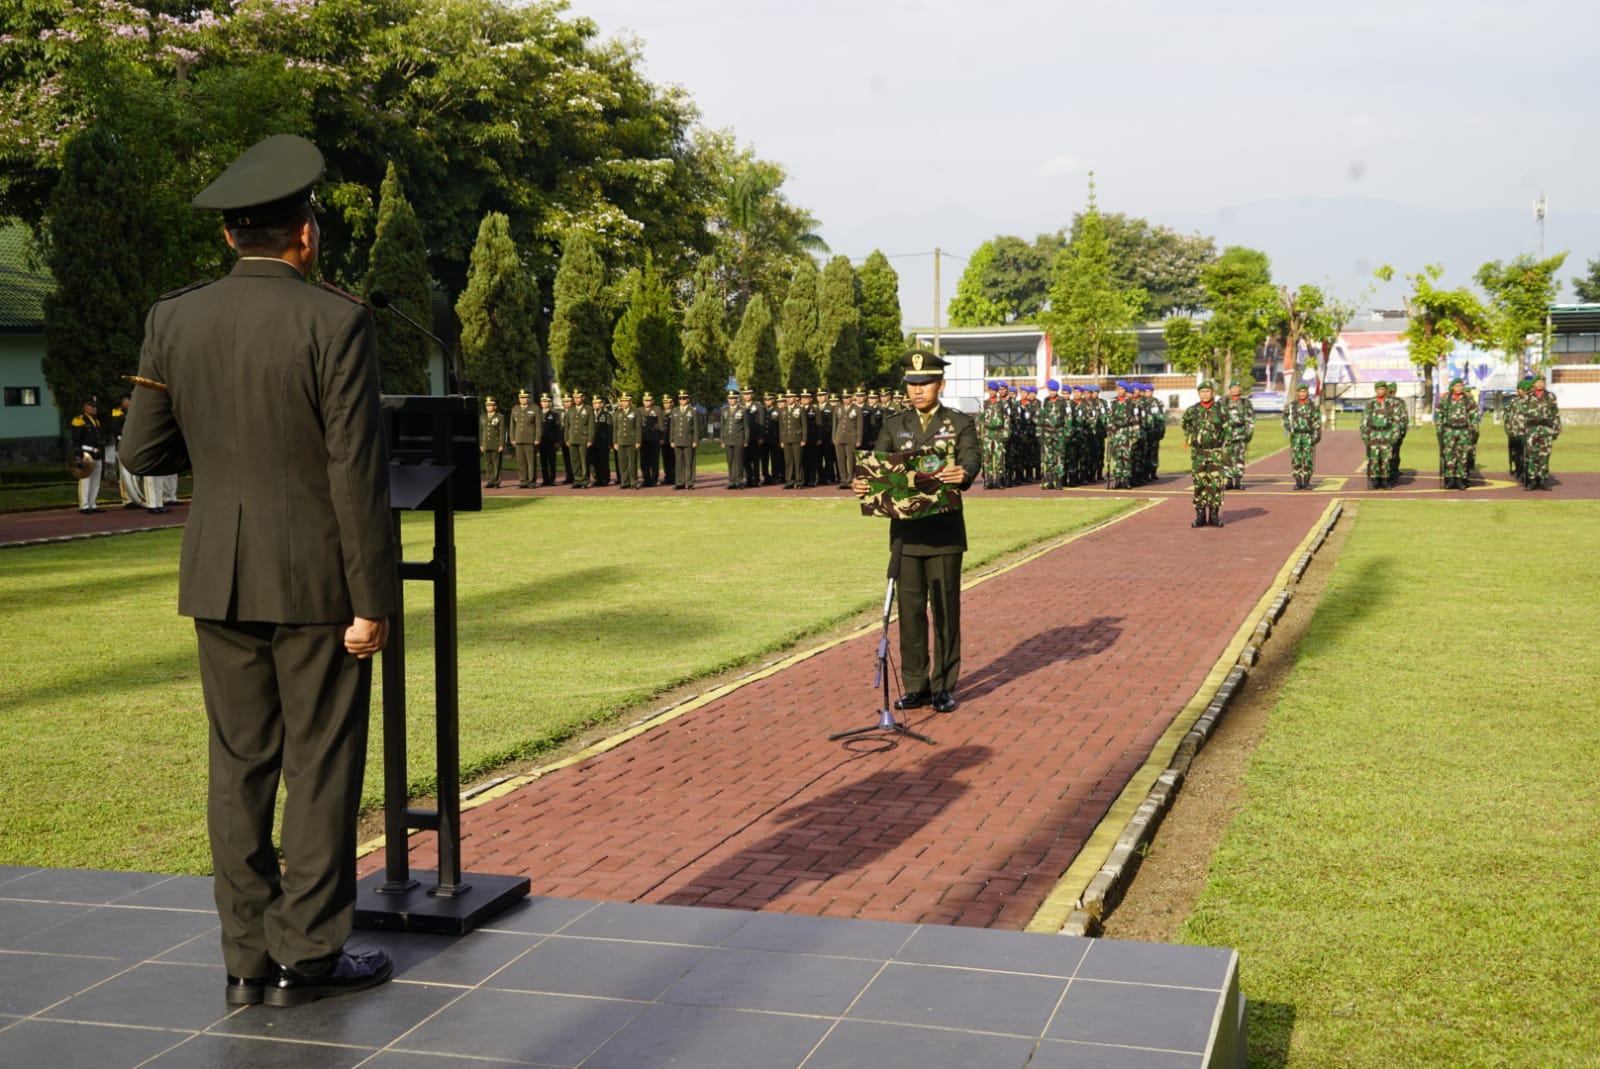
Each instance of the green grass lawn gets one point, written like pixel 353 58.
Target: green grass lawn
pixel 1412 880
pixel 571 611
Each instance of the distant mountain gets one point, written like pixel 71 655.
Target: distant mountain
pixel 1334 241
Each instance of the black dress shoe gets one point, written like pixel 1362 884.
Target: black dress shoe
pixel 243 990
pixel 914 700
pixel 944 702
pixel 339 975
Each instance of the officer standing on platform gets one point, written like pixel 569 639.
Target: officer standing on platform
pixel 492 441
pixel 289 568
pixel 927 551
pixel 526 425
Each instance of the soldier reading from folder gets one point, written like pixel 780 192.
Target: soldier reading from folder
pixel 288 568
pixel 929 549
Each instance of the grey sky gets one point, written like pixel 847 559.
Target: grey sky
pixel 1333 135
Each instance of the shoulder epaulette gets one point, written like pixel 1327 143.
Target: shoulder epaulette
pixel 186 289
pixel 77 421
pixel 346 294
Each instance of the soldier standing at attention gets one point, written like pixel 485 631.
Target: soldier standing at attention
pixel 1514 430
pixel 669 455
pixel 755 416
pixel 1241 429
pixel 927 551
pixel 526 423
pixel 86 443
pixel 549 438
pixel 1125 422
pixel 811 448
pixel 1205 435
pixel 577 431
pixel 1302 422
pixel 792 437
pixel 846 433
pixel 1379 426
pixel 1541 423
pixel 627 431
pixel 600 451
pixel 1099 416
pixel 492 441
pixel 994 423
pixel 735 438
pixel 683 432
pixel 289 569
pixel 1453 420
pixel 1052 434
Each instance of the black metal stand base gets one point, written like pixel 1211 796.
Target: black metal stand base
pixel 477 900
pixel 886 722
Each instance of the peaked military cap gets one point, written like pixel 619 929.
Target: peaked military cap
pixel 524 393
pixel 543 398
pixel 268 181
pixel 923 365
pixel 733 393
pixel 488 400
pixel 683 395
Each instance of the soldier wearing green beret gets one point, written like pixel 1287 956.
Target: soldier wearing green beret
pixel 1455 418
pixel 289 568
pixel 1541 425
pixel 929 550
pixel 1241 430
pixel 1206 430
pixel 1383 424
pixel 1302 422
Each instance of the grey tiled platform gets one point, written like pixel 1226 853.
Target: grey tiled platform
pixel 116 969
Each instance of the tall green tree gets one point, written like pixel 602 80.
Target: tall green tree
pixel 1437 321
pixel 839 322
pixel 972 306
pixel 1587 287
pixel 1242 300
pixel 1091 316
pixel 94 319
pixel 879 330
pixel 755 348
pixel 799 329
pixel 1292 322
pixel 1157 261
pixel 707 363
pixel 761 237
pixel 646 344
pixel 398 265
pixel 499 313
pixel 1188 348
pixel 1521 292
pixel 1006 280
pixel 580 330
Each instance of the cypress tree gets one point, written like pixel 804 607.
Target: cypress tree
pixel 646 345
pixel 840 348
pixel 799 328
pixel 94 319
pixel 706 362
pixel 580 331
pixel 1091 318
pixel 755 348
pixel 499 313
pixel 398 265
pixel 879 331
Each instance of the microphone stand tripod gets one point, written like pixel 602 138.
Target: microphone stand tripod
pixel 886 720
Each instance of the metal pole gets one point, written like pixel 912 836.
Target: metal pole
pixel 936 301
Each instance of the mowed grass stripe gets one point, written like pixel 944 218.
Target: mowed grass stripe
pixel 1411 880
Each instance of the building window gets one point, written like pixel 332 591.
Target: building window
pixel 25 396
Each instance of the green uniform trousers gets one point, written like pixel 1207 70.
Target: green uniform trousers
pixel 283 700
pixel 930 586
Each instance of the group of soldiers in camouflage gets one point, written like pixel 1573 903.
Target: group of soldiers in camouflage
pixel 1383 430
pixel 1064 439
pixel 1533 422
pixel 799 439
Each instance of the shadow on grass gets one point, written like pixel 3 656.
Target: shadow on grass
pixel 847 828
pixel 1269 1027
pixel 1037 651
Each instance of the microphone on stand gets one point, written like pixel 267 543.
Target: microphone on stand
pixel 379 299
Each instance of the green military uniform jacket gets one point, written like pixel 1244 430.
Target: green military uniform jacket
pixel 577 424
pixel 492 431
pixel 954 436
pixel 527 425
pixel 627 426
pixel 272 399
pixel 683 426
pixel 735 425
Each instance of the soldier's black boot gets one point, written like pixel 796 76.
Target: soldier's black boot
pixel 1199 518
pixel 1216 517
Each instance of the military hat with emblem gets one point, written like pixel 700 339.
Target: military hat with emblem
pixel 269 182
pixel 488 400
pixel 922 366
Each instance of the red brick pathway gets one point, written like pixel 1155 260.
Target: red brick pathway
pixel 1075 663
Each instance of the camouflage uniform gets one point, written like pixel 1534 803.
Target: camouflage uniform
pixel 1099 415
pixel 1302 422
pixel 1515 431
pixel 1454 419
pixel 994 425
pixel 1206 428
pixel 1382 423
pixel 1155 429
pixel 1053 437
pixel 1541 421
pixel 1124 421
pixel 1241 428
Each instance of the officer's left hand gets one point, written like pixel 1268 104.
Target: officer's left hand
pixel 951 474
pixel 365 637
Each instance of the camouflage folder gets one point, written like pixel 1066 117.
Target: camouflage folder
pixel 903 486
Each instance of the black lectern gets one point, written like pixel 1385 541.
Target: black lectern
pixel 433 467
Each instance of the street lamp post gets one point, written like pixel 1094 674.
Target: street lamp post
pixel 1541 208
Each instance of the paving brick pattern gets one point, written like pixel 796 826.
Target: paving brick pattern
pixel 1075 664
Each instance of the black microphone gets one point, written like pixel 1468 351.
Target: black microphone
pixel 379 299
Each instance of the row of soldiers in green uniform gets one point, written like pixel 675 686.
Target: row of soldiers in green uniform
pixel 1532 424
pixel 799 439
pixel 1075 437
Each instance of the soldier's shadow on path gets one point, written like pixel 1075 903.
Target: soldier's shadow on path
pixel 847 828
pixel 1067 643
pixel 1240 515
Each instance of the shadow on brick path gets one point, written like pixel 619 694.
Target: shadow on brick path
pixel 1048 647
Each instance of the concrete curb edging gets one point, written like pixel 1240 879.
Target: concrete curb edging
pixel 1111 881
